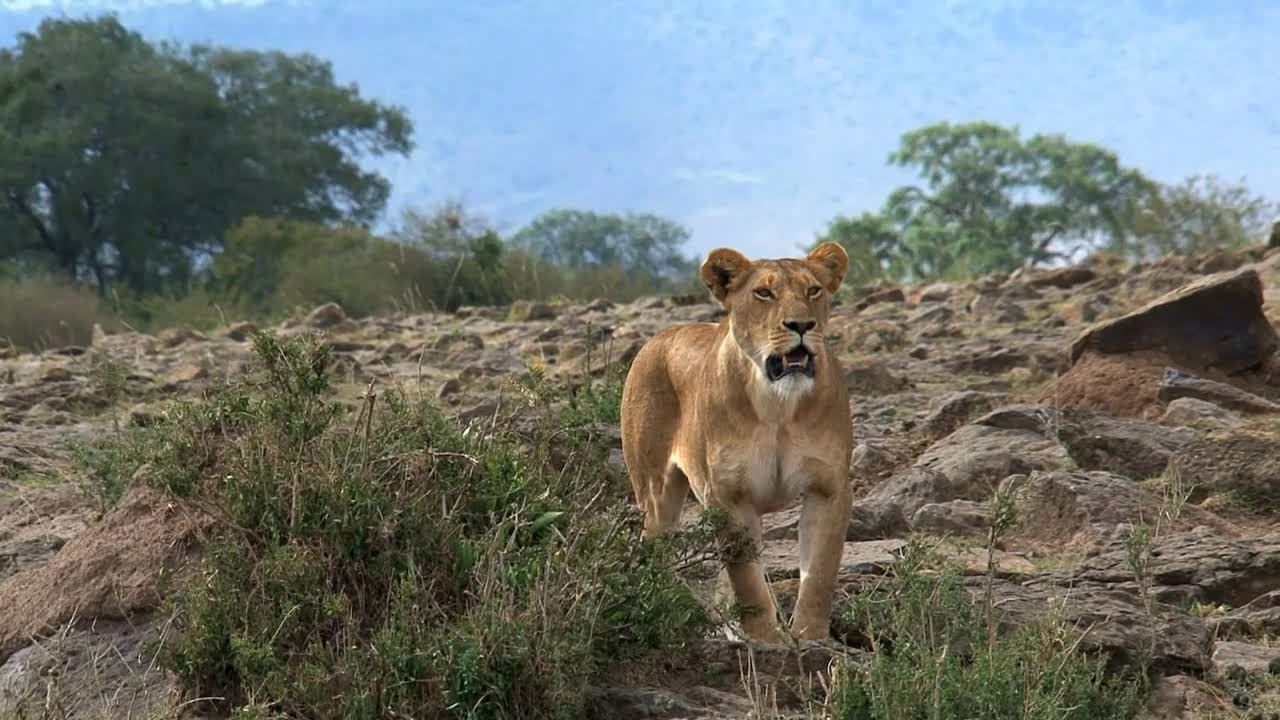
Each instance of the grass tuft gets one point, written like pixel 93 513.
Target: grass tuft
pixel 935 655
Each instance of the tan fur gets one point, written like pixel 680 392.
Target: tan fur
pixel 698 411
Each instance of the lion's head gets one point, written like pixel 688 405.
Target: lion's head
pixel 778 309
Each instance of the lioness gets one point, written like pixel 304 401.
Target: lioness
pixel 751 413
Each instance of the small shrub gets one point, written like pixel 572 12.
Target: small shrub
pixel 40 311
pixel 390 564
pixel 934 656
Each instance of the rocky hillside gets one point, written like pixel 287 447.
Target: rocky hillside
pixel 1105 397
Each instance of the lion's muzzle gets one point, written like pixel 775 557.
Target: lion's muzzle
pixel 796 361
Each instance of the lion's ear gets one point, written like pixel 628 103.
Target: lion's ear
pixel 834 262
pixel 722 269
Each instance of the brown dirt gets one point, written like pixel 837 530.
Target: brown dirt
pixel 1121 385
pixel 110 571
pixel 1128 385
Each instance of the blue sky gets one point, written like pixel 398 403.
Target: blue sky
pixel 753 123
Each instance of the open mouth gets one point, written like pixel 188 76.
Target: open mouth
pixel 796 361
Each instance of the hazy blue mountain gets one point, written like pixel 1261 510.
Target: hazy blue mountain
pixel 755 122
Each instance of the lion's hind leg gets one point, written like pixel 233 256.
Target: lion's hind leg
pixel 666 501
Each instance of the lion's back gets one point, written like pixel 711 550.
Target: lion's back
pixel 680 355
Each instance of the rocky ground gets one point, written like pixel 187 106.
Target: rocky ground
pixel 1106 395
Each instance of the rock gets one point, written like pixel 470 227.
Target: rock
pixel 1214 326
pixel 1244 464
pixel 988 362
pixel 1081 509
pixel 185 374
pixel 955 409
pixel 936 315
pixel 875 336
pixel 1196 565
pixel 996 308
pixel 1191 412
pixel 56 374
pixel 177 337
pixel 651 703
pixel 1218 260
pixel 17 556
pixel 1233 658
pixel 240 331
pixel 937 292
pixel 873 378
pixel 103 670
pixel 958 517
pixel 449 388
pixel 968 464
pixel 781 558
pixel 1134 448
pixel 1084 310
pixel 572 350
pixel 467 311
pixel 887 295
pixel 873 459
pixel 1062 278
pixel 458 342
pixel 527 311
pixel 326 316
pixel 1183 697
pixel 1111 621
pixel 707 681
pixel 481 411
pixel 1260 617
pixel 1177 384
pixel 551 332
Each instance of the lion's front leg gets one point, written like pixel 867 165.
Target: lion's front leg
pixel 824 520
pixel 747 577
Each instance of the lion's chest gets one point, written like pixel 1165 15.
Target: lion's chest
pixel 767 466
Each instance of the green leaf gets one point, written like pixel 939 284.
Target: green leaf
pixel 546 519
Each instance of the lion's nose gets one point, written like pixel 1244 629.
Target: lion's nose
pixel 799 327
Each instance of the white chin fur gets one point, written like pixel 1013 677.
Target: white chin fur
pixel 791 386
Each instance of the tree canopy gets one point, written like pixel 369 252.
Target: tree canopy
pixel 990 200
pixel 1200 213
pixel 638 243
pixel 127 161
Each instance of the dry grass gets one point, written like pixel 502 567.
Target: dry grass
pixel 42 311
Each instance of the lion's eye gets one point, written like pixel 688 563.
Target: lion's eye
pixel 815 291
pixel 764 293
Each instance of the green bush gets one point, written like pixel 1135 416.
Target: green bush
pixel 276 266
pixel 388 564
pixel 935 656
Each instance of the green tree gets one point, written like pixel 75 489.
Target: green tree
pixel 992 201
pixel 1201 213
pixel 872 241
pixel 641 244
pixel 125 161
